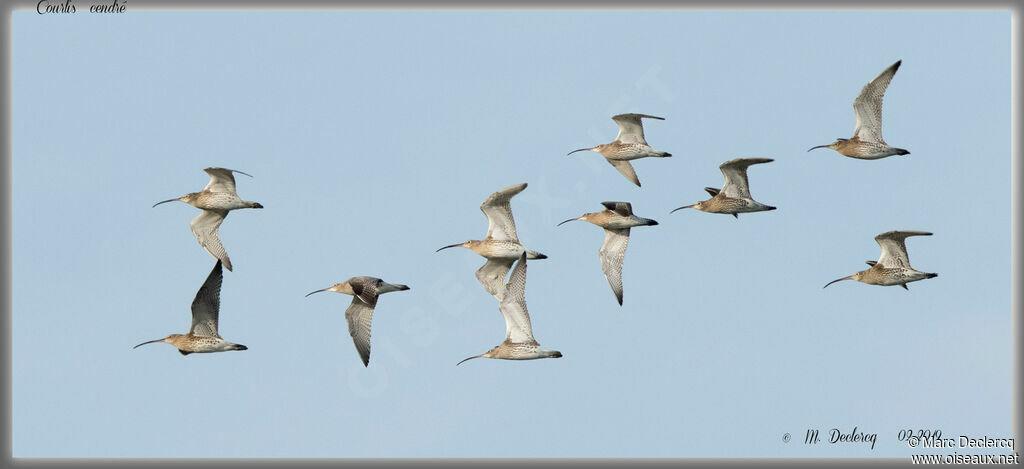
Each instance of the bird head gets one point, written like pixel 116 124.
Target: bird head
pixel 343 287
pixel 171 339
pixel 581 217
pixel 834 145
pixel 597 149
pixel 467 244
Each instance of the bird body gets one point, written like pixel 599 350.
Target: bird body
pixel 893 266
pixel 501 247
pixel 734 197
pixel 628 151
pixel 365 291
pixel 867 142
pixel 188 343
pixel 519 343
pixel 206 200
pixel 630 144
pixel 216 200
pixel 616 220
pixel 498 249
pixel 202 337
pixel 508 350
pixel 862 149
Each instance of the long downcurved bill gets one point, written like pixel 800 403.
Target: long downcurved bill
pixel 318 291
pixel 470 358
pixel 819 146
pixel 168 200
pixel 569 220
pixel 838 279
pixel 680 208
pixel 450 246
pixel 149 342
pixel 581 149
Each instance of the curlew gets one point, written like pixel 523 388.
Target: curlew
pixel 616 221
pixel 519 343
pixel 202 337
pixel 867 142
pixel 734 197
pixel 215 200
pixel 628 145
pixel 364 291
pixel 893 267
pixel 501 247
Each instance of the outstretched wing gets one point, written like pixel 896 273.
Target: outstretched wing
pixel 206 305
pixel 631 130
pixel 626 169
pixel 735 172
pixel 359 315
pixel 612 251
pixel 622 208
pixel 204 227
pixel 894 249
pixel 500 224
pixel 868 106
pixel 492 276
pixel 513 306
pixel 221 179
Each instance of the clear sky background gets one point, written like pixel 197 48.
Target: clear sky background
pixel 373 137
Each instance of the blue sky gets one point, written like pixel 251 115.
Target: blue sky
pixel 373 137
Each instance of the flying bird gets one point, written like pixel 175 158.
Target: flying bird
pixel 867 142
pixel 215 200
pixel 202 337
pixel 734 197
pixel 628 145
pixel 519 343
pixel 616 221
pixel 364 291
pixel 893 267
pixel 501 247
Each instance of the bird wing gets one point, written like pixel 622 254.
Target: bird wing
pixel 365 288
pixel 735 171
pixel 492 276
pixel 204 227
pixel 513 306
pixel 622 208
pixel 612 252
pixel 359 314
pixel 500 224
pixel 206 305
pixel 221 180
pixel 868 106
pixel 626 169
pixel 894 249
pixel 631 130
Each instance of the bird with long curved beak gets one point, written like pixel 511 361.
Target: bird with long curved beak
pixel 202 337
pixel 867 142
pixel 616 221
pixel 215 200
pixel 893 267
pixel 501 247
pixel 734 197
pixel 364 291
pixel 628 145
pixel 519 343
